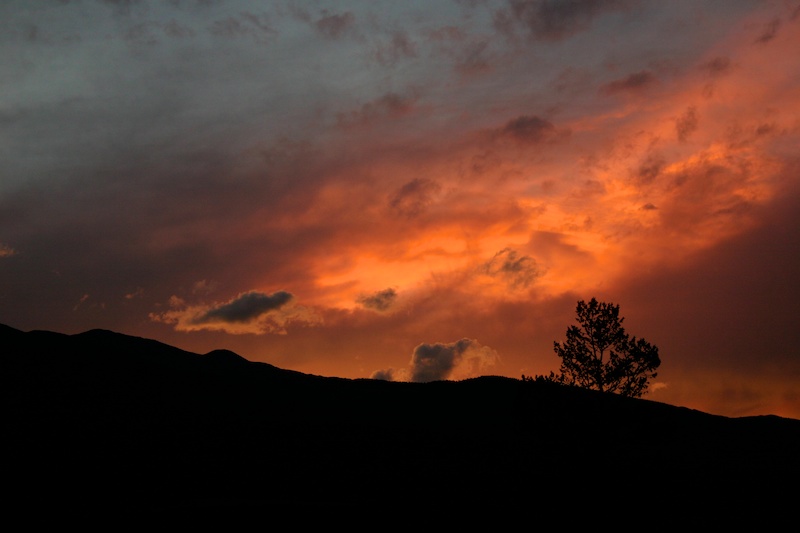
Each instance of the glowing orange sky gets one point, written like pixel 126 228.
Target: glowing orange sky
pixel 337 188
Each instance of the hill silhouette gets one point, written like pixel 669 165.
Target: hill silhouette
pixel 126 421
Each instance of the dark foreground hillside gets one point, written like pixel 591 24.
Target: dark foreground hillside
pixel 130 423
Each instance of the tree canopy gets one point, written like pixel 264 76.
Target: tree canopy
pixel 599 354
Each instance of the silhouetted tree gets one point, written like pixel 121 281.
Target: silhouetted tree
pixel 598 354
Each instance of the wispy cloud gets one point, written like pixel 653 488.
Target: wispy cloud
pixel 545 20
pixel 250 312
pixel 515 270
pixel 414 197
pixel 390 106
pixel 379 301
pixel 528 130
pixel 636 82
pixel 687 123
pixel 334 25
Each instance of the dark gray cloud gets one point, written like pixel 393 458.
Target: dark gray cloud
pixel 766 129
pixel 633 83
pixel 553 20
pixel 717 66
pixel 245 307
pixel 380 301
pixel 384 375
pixel 433 362
pixel 414 197
pixel 529 130
pixel 769 31
pixel 462 359
pixel 649 169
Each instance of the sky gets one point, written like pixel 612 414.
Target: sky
pixel 414 190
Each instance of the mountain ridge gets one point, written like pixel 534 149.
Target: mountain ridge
pixel 125 411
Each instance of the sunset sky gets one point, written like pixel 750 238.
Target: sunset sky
pixel 411 190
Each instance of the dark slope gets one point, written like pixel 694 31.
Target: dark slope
pixel 106 417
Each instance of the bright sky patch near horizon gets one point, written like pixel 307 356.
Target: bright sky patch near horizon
pixel 411 190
